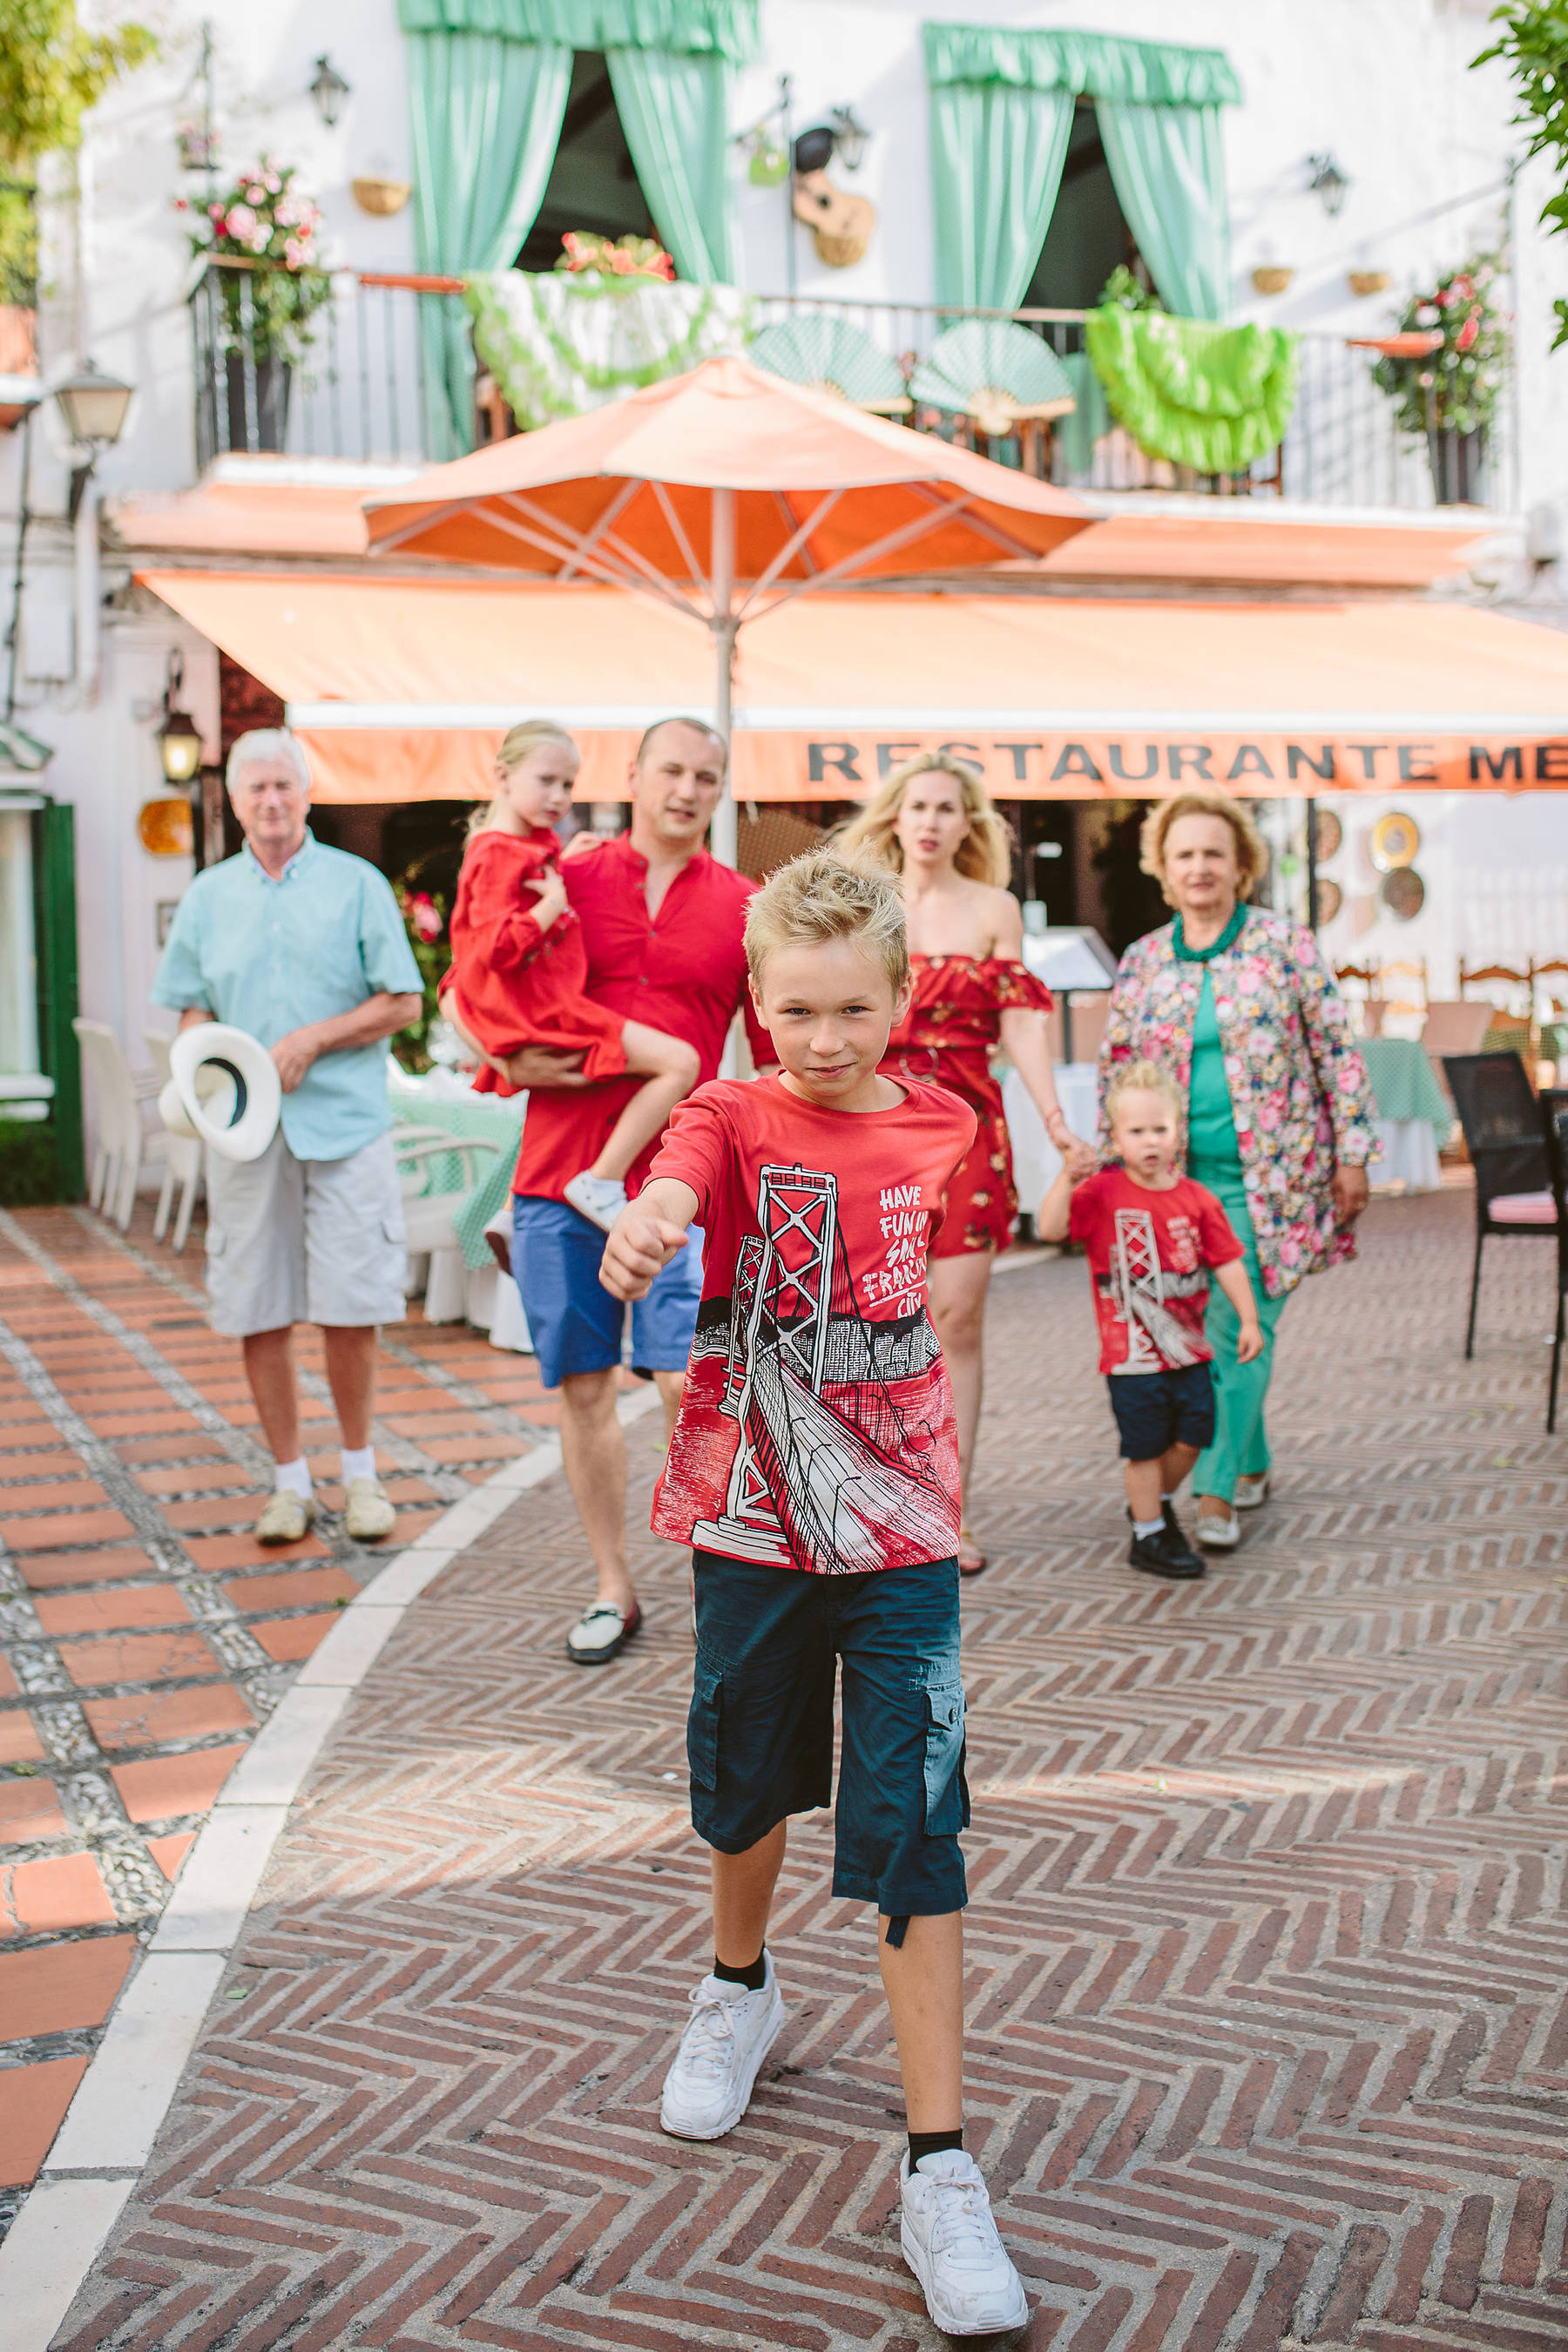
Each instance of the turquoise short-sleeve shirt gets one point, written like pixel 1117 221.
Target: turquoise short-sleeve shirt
pixel 272 956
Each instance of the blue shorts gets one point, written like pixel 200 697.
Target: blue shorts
pixel 576 1325
pixel 1155 1411
pixel 759 1737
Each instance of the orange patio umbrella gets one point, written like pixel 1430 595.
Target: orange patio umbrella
pixel 725 493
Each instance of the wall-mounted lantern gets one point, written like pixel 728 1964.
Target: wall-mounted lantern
pixel 330 91
pixel 93 407
pixel 849 137
pixel 1325 178
pixel 179 738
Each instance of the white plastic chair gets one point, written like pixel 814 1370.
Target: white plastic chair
pixel 181 1155
pixel 119 1139
pixel 429 1217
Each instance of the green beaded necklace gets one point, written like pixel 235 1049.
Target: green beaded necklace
pixel 1227 938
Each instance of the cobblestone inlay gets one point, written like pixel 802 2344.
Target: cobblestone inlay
pixel 143 1635
pixel 1268 2021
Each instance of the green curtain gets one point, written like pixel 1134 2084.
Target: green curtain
pixel 674 112
pixel 1167 164
pixel 1084 64
pixel 487 114
pixel 997 157
pixel 726 28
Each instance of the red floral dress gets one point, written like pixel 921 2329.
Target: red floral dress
pixel 947 1039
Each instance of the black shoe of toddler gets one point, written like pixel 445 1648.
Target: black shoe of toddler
pixel 1167 1553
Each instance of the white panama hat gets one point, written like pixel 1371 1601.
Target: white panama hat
pixel 223 1089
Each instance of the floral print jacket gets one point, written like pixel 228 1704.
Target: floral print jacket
pixel 1298 1088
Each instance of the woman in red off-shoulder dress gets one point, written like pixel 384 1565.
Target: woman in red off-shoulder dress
pixel 933 822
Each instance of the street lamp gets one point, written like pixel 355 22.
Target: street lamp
pixel 1329 182
pixel 329 89
pixel 93 406
pixel 179 739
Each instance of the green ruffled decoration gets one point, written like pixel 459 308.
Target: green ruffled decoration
pixel 1202 396
pixel 559 344
pixel 1084 64
pixel 726 28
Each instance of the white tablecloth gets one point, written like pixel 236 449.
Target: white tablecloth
pixel 1036 1160
pixel 1409 1156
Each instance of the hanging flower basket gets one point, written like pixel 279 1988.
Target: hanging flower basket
pixel 1447 392
pixel 264 237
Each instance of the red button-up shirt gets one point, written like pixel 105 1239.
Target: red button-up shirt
pixel 682 971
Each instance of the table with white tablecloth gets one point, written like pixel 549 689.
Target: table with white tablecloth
pixel 1036 1160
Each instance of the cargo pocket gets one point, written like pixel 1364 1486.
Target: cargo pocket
pixel 947 1790
pixel 702 1729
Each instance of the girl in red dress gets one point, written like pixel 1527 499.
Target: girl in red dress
pixel 933 822
pixel 520 969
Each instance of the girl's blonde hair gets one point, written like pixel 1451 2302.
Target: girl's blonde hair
pixel 1141 1079
pixel 528 736
pixel 823 896
pixel 986 853
pixel 1251 857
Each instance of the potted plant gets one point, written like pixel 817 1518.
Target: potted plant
pixel 1448 394
pixel 260 243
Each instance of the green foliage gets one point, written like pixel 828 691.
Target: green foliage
pixel 1122 292
pixel 425 917
pixel 51 71
pixel 1456 387
pixel 1532 42
pixel 29 1171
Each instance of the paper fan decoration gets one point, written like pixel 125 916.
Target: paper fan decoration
pixel 994 371
pixel 834 357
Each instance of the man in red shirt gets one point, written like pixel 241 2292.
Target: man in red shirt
pixel 662 924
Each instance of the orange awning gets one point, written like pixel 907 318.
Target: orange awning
pixel 403 688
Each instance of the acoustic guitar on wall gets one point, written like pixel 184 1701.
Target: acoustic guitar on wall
pixel 840 224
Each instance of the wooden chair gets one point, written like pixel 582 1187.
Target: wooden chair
pixel 1397 971
pixel 1501 1120
pixel 1555 1119
pixel 1483 975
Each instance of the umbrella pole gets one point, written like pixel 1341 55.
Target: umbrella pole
pixel 725 830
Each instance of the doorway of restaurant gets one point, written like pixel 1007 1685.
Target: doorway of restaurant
pixel 593 181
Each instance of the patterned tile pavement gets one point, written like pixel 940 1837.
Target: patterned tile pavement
pixel 145 1635
pixel 1268 2020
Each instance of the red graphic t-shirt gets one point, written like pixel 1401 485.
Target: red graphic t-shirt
pixel 816 1428
pixel 1149 1253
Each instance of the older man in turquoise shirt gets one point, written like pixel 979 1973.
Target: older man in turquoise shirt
pixel 303 947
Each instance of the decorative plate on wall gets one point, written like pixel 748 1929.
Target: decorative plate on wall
pixel 1394 841
pixel 1404 892
pixel 164 828
pixel 1331 834
pixel 1331 899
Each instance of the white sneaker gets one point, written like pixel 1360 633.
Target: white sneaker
pixel 709 2087
pixel 286 1518
pixel 949 2240
pixel 600 1199
pixel 369 1511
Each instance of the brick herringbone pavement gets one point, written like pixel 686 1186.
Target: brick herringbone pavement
pixel 1269 2021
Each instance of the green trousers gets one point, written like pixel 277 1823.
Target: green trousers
pixel 1240 1448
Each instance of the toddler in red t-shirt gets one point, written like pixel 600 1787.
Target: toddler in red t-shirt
pixel 1153 1238
pixel 520 969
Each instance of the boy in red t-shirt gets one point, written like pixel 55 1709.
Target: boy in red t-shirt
pixel 1152 1238
pixel 815 1470
pixel 520 969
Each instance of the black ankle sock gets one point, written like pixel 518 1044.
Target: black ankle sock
pixel 753 1978
pixel 929 2143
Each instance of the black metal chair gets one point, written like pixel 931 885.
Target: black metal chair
pixel 1501 1120
pixel 1554 1118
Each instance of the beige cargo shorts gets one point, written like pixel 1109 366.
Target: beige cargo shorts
pixel 304 1240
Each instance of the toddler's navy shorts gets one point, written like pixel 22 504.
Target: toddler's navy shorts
pixel 759 1736
pixel 1157 1410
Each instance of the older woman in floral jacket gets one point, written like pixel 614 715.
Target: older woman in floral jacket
pixel 1239 1007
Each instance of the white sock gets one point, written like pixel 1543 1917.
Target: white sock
pixel 1146 1527
pixel 358 1461
pixel 293 1478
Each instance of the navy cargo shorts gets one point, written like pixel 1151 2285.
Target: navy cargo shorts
pixel 759 1734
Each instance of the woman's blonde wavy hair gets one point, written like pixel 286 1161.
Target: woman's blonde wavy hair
pixel 986 853
pixel 529 735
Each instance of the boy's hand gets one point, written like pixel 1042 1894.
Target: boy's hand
pixel 1249 1342
pixel 639 1248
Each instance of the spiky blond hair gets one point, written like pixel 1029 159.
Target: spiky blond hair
pixel 823 896
pixel 1141 1079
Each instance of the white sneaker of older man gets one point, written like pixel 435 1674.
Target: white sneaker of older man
pixel 709 2087
pixel 950 2240
pixel 286 1518
pixel 369 1511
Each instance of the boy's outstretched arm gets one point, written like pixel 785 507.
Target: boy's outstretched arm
pixel 1232 1279
pixel 646 1236
pixel 1052 1217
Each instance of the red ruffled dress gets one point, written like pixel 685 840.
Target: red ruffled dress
pixel 516 985
pixel 947 1039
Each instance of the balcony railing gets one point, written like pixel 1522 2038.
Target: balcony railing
pixel 359 391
